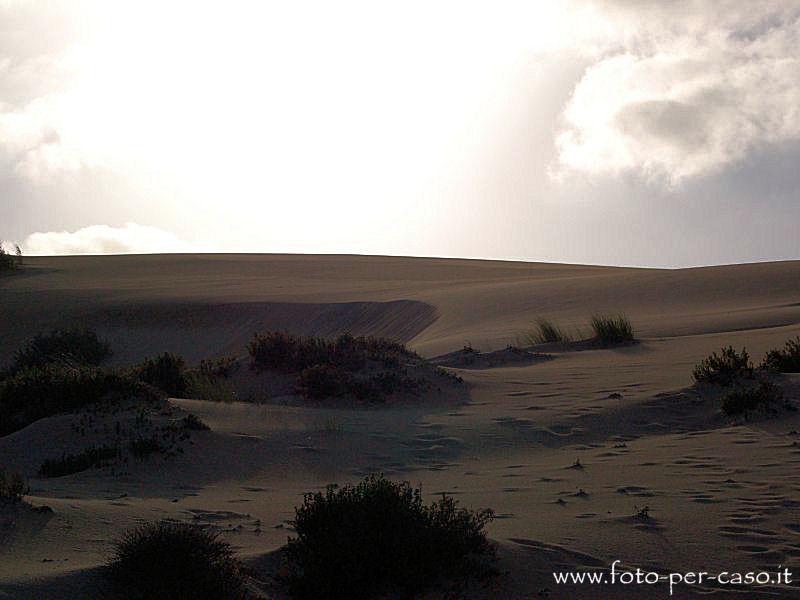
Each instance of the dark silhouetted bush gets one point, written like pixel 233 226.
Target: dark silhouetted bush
pixel 378 536
pixel 291 354
pixel 723 368
pixel 75 463
pixel 610 330
pixel 167 372
pixel 221 368
pixel 7 261
pixel 763 396
pixel 194 423
pixel 76 347
pixel 40 392
pixel 12 486
pixel 142 447
pixel 175 561
pixel 784 360
pixel 319 382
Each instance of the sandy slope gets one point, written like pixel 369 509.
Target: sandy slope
pixel 723 496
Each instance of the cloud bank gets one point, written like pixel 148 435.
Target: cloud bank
pixel 684 89
pixel 103 239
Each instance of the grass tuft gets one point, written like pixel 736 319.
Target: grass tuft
pixel 611 330
pixel 764 396
pixel 75 463
pixel 12 486
pixel 547 332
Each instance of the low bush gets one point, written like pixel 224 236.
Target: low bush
pixel 319 382
pixel 221 368
pixel 377 537
pixel 9 262
pixel 204 387
pixel 12 486
pixel 724 368
pixel 292 354
pixel 75 463
pixel 166 372
pixel 142 447
pixel 546 332
pixel 784 360
pixel 763 396
pixel 40 392
pixel 76 347
pixel 176 561
pixel 610 330
pixel 194 423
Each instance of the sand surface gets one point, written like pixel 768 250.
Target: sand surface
pixel 723 495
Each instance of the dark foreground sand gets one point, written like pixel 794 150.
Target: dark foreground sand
pixel 723 496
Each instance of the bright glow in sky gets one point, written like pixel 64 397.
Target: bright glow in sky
pixel 484 129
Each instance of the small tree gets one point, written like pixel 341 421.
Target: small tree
pixel 18 252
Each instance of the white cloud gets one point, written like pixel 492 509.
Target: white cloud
pixel 683 89
pixel 103 239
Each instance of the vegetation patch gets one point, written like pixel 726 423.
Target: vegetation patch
pixel 378 537
pixel 166 372
pixel 612 330
pixel 547 332
pixel 68 464
pixel 70 347
pixel 12 486
pixel 765 396
pixel 39 392
pixel 10 262
pixel 784 360
pixel 176 561
pixel 194 423
pixel 365 369
pixel 724 368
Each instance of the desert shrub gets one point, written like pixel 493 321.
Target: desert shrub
pixel 79 347
pixel 610 330
pixel 12 486
pixel 319 382
pixel 204 387
pixel 142 447
pixel 7 261
pixel 194 423
pixel 221 368
pixel 723 368
pixel 166 371
pixel 75 463
pixel 378 536
pixel 763 396
pixel 39 392
pixel 784 360
pixel 292 354
pixel 547 331
pixel 176 561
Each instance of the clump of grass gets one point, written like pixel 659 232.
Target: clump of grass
pixel 12 486
pixel 724 368
pixel 763 396
pixel 610 330
pixel 378 536
pixel 75 463
pixel 39 392
pixel 784 360
pixel 194 423
pixel 80 347
pixel 546 332
pixel 176 561
pixel 203 387
pixel 166 371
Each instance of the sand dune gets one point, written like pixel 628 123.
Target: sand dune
pixel 723 495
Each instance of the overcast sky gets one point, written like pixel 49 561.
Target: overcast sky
pixel 634 132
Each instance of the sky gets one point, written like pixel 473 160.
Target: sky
pixel 629 132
